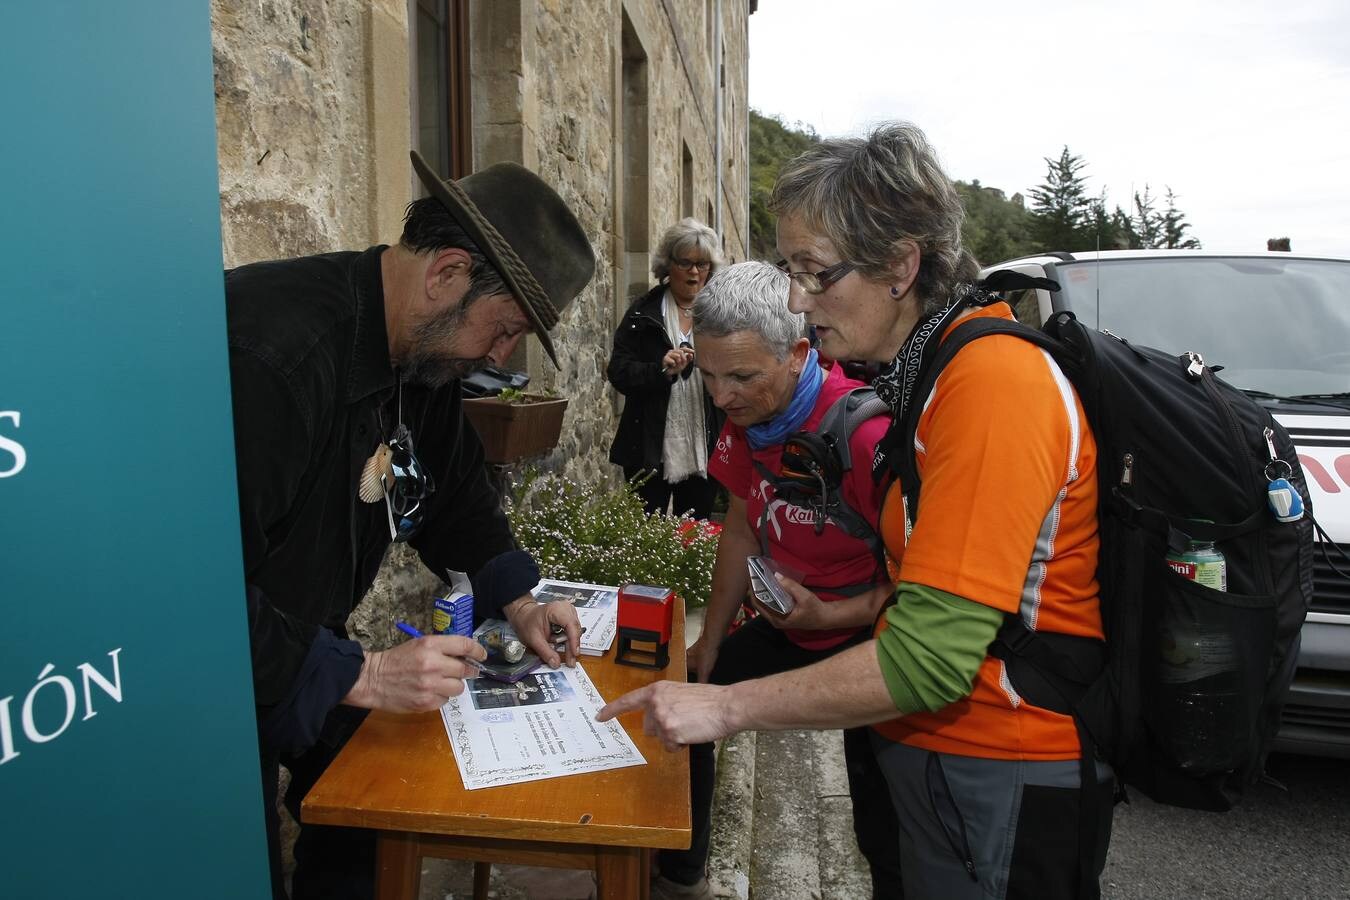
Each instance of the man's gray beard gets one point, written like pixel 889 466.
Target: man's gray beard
pixel 424 364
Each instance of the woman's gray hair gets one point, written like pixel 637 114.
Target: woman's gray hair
pixel 868 194
pixel 749 296
pixel 682 237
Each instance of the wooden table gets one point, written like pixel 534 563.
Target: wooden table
pixel 398 775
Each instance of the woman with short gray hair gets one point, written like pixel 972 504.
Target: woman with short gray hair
pixel 750 297
pixel 761 371
pixel 668 424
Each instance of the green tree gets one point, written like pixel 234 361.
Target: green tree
pixel 1147 222
pixel 1103 230
pixel 1060 208
pixel 996 228
pixel 1175 226
pixel 1063 215
pixel 1122 231
pixel 771 144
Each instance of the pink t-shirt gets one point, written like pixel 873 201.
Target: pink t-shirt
pixel 831 559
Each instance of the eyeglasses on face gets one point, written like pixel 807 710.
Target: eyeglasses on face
pixel 817 282
pixel 688 265
pixel 410 486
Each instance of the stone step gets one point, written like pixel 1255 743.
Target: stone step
pixel 782 820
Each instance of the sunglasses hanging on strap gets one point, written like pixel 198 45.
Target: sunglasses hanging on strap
pixel 394 474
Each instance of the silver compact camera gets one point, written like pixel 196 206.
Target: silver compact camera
pixel 765 587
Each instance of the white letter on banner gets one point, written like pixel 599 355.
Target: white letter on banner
pixel 113 690
pixel 67 687
pixel 6 733
pixel 12 447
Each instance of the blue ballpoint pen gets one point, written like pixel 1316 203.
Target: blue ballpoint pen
pixel 410 631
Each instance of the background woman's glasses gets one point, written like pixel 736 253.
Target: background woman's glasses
pixel 687 265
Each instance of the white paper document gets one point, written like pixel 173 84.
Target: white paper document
pixel 542 726
pixel 597 607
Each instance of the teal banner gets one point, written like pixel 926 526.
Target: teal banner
pixel 128 761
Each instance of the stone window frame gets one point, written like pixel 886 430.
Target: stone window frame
pixel 453 49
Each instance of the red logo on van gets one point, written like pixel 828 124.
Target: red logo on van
pixel 1318 472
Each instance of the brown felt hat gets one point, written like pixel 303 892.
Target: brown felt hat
pixel 525 229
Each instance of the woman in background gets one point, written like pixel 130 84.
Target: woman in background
pixel 668 424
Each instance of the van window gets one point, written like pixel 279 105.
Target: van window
pixel 1276 325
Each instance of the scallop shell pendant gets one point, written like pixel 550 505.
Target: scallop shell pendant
pixel 376 470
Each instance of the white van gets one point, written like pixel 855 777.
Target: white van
pixel 1279 325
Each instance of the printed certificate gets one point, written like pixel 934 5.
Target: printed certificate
pixel 542 726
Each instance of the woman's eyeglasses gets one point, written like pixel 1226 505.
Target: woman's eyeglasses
pixel 817 282
pixel 687 265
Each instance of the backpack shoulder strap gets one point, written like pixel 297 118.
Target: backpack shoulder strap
pixel 844 416
pixel 837 426
pixel 896 449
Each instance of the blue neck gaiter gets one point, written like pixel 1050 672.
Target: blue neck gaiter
pixel 777 429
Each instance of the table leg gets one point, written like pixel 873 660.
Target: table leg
pixel 398 866
pixel 482 878
pixel 618 873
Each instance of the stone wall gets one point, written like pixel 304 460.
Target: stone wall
pixel 305 149
pixel 548 92
pixel 314 122
pixel 313 132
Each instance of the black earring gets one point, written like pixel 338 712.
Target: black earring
pixel 895 292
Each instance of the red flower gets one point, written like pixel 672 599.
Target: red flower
pixel 691 529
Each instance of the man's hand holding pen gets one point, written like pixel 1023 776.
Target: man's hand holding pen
pixel 417 675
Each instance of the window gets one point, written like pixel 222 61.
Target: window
pixel 635 168
pixel 442 127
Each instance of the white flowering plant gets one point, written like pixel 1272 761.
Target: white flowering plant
pixel 602 535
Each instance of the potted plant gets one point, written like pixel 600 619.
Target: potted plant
pixel 514 425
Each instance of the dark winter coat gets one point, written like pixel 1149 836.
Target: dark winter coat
pixel 635 371
pixel 314 394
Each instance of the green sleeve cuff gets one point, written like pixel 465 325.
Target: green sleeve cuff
pixel 933 646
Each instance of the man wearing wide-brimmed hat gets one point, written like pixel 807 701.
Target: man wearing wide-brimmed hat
pixel 349 435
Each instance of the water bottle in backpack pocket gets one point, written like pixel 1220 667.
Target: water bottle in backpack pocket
pixel 1203 671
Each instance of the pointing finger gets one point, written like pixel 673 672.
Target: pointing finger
pixel 627 703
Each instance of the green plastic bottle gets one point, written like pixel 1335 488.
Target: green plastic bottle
pixel 1202 563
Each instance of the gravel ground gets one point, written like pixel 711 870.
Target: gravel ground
pixel 1291 843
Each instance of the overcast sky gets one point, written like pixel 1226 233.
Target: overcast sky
pixel 1241 107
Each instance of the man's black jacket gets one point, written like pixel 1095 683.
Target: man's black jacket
pixel 314 394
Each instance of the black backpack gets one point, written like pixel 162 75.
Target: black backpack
pixel 1184 697
pixel 814 464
